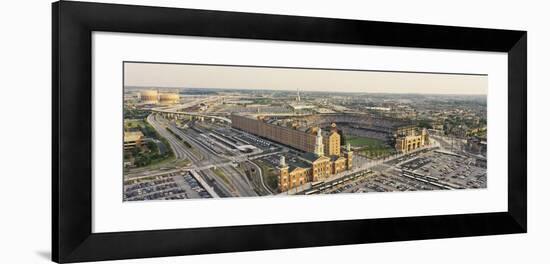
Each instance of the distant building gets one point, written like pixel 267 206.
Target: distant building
pixel 437 125
pixel 300 106
pixel 169 98
pixel 203 107
pixel 476 145
pixel 238 102
pixel 132 139
pixel 324 111
pixel 149 96
pixel 378 108
pixel 154 97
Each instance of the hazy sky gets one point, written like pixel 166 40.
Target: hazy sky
pixel 205 76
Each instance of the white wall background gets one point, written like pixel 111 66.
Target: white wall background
pixel 25 52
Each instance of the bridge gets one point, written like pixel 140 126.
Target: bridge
pixel 173 111
pixel 175 114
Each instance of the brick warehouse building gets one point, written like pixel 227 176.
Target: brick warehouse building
pixel 322 159
pixel 288 136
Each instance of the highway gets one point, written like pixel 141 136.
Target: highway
pixel 177 148
pixel 256 174
pixel 174 109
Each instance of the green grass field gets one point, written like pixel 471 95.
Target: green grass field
pixel 133 123
pixel 271 177
pixel 364 142
pixel 221 174
pixel 370 147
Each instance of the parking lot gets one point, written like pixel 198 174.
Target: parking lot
pixel 164 187
pixel 427 170
pixel 385 182
pixel 457 171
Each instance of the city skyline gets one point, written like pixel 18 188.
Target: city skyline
pixel 306 80
pixel 293 131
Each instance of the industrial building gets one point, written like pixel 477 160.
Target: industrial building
pixel 298 139
pixel 288 136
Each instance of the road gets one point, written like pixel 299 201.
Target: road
pixel 175 145
pixel 174 109
pixel 258 176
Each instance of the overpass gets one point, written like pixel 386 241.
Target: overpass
pixel 173 111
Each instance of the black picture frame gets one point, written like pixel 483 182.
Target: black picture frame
pixel 72 27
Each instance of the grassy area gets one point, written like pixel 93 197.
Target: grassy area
pixel 271 178
pixel 480 133
pixel 370 147
pixel 133 123
pixel 364 142
pixel 220 174
pixel 262 101
pixel 148 154
pixel 135 113
pixel 251 173
pixel 169 163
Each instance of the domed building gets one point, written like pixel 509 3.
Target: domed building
pixel 149 96
pixel 169 98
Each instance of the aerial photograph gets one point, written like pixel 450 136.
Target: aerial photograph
pixel 195 131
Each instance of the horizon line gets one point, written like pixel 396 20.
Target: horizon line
pixel 290 90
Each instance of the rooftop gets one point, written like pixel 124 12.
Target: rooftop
pixel 294 162
pixel 132 136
